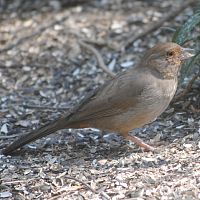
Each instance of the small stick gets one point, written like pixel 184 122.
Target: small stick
pixel 8 136
pixel 18 181
pixel 44 107
pixel 85 184
pixel 98 57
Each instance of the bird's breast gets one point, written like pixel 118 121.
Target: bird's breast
pixel 155 99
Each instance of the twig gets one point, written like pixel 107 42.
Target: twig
pixel 8 136
pixel 187 89
pixel 103 194
pixel 154 26
pixel 18 181
pixel 57 196
pixel 44 107
pixel 60 196
pixel 39 31
pixel 168 28
pixel 98 57
pixel 85 184
pixel 74 2
pixel 75 179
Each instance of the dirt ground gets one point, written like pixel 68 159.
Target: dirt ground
pixel 45 71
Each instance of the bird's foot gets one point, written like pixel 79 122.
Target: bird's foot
pixel 140 143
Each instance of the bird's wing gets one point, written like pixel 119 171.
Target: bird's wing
pixel 114 97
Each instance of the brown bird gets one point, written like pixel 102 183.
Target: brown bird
pixel 132 99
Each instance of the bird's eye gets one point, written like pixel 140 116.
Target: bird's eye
pixel 170 53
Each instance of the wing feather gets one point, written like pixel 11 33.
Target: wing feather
pixel 115 97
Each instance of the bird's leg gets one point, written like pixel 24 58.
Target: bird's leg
pixel 140 143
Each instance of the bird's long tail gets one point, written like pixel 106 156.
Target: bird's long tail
pixel 36 134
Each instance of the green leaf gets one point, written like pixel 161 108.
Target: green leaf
pixel 183 33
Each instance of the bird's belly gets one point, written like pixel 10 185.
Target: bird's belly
pixel 133 118
pixel 153 101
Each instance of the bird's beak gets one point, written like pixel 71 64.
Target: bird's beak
pixel 187 53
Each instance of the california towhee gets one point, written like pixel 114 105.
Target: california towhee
pixel 132 99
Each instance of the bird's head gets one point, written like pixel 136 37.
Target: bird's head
pixel 166 58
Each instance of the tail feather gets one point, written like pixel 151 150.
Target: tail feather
pixel 36 134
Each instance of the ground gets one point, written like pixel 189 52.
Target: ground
pixel 44 75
